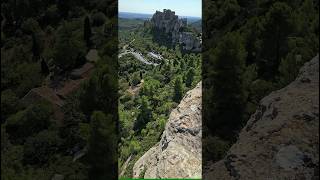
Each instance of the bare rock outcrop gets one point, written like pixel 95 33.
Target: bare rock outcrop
pixel 281 140
pixel 178 154
pixel 170 24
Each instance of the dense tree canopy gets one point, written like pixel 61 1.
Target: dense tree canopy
pixel 42 42
pixel 255 48
pixel 228 101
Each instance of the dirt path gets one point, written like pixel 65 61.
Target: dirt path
pixel 138 56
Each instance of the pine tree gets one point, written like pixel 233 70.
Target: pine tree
pixel 100 92
pixel 102 152
pixel 144 116
pixel 177 90
pixel 68 49
pixel 189 77
pixel 35 47
pixel 87 31
pixel 228 91
pixel 277 28
pixel 289 69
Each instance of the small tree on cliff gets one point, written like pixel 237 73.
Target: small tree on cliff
pixel 177 90
pixel 189 77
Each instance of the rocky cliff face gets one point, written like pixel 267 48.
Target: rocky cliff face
pixel 167 21
pixel 178 154
pixel 281 140
pixel 170 24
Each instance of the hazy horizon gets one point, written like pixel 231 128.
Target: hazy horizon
pixel 154 12
pixel 189 8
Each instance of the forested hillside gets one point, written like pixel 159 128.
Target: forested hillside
pixel 58 102
pixel 153 78
pixel 250 49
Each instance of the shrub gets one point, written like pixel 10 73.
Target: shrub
pixel 29 121
pixel 69 49
pixel 38 149
pixel 135 79
pixel 9 102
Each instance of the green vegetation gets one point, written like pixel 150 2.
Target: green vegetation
pixel 102 144
pixel 228 80
pixel 45 134
pixel 69 48
pixel 87 31
pixel 250 49
pixel 149 92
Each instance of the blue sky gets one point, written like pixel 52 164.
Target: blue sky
pixel 181 7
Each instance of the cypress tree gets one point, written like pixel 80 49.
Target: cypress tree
pixel 87 31
pixel 35 47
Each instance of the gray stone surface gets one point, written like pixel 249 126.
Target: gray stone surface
pixel 281 140
pixel 178 154
pixel 289 157
pixel 170 24
pixel 57 177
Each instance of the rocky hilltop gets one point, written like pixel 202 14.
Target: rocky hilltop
pixel 169 23
pixel 178 154
pixel 281 140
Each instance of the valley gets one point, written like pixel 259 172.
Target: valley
pixel 154 76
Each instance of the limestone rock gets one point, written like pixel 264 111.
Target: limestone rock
pixel 189 41
pixel 281 140
pixel 178 154
pixel 170 24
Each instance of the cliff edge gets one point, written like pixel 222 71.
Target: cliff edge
pixel 279 142
pixel 178 154
pixel 281 139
